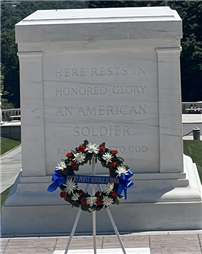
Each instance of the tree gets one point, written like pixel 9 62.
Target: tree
pixel 121 3
pixel 191 57
pixel 10 15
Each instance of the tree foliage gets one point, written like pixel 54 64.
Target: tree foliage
pixel 10 15
pixel 121 3
pixel 191 57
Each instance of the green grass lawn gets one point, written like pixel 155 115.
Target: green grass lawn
pixel 8 144
pixel 4 195
pixel 193 148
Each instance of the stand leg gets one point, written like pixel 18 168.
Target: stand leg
pixel 115 230
pixel 94 213
pixel 73 230
pixel 114 226
pixel 75 225
pixel 94 231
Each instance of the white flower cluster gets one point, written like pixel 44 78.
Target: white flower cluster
pixel 79 157
pixel 109 187
pixel 61 166
pixel 120 170
pixel 92 148
pixel 107 157
pixel 107 201
pixel 70 186
pixel 91 201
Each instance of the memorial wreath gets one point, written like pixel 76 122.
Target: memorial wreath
pixel 65 178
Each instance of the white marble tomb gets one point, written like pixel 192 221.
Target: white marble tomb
pixel 108 75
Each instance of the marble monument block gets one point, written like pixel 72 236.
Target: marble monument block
pixel 108 75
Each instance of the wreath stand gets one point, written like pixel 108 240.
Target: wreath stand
pixel 94 219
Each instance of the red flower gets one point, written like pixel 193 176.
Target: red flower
pixel 81 149
pixel 98 201
pixel 97 193
pixel 74 164
pixel 83 201
pixel 102 148
pixel 114 151
pixel 63 194
pixel 80 192
pixel 112 164
pixel 68 154
pixel 114 193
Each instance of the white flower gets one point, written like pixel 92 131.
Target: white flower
pixel 79 157
pixel 70 186
pixel 107 201
pixel 107 157
pixel 92 148
pixel 120 170
pixel 109 187
pixel 61 165
pixel 91 201
pixel 75 196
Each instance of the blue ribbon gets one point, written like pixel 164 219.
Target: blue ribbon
pixel 125 183
pixel 57 179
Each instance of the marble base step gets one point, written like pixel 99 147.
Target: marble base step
pixel 106 251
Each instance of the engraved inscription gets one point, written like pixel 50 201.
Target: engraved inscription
pixel 115 71
pixel 121 149
pixel 101 110
pixel 128 89
pixel 88 90
pixel 79 99
pixel 102 131
pixel 99 90
pixel 132 149
pixel 99 71
pixel 70 72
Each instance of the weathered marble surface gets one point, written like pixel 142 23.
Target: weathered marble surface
pixel 104 75
pixel 118 84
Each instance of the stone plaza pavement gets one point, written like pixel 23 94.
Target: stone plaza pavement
pixel 10 167
pixel 172 242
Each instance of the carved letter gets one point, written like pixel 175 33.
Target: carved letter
pixel 126 130
pixel 132 110
pixel 87 132
pixel 144 148
pixel 68 110
pixel 58 73
pixel 59 112
pixel 143 109
pixel 123 113
pixel 74 72
pixel 117 131
pixel 76 129
pixel 67 72
pixel 124 71
pixel 103 90
pixel 115 89
pixel 109 69
pixel 59 90
pixel 83 72
pixel 141 70
pixel 102 71
pixel 81 111
pixel 94 71
pixel 91 111
pixel 142 88
pixel 117 70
